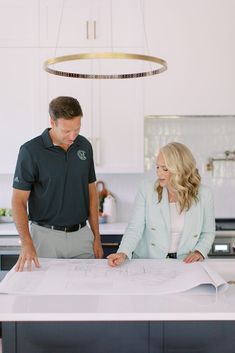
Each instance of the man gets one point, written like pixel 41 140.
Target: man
pixel 55 179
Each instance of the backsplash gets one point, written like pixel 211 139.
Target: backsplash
pixel 207 137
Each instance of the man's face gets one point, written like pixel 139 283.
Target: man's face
pixel 65 131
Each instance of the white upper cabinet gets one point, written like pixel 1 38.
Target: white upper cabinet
pixel 19 108
pixel 74 23
pixel 127 23
pixel 19 23
pixel 118 144
pixel 91 23
pixel 118 119
pixel 53 86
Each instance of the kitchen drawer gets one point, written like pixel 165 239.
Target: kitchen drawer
pixel 7 261
pixel 110 243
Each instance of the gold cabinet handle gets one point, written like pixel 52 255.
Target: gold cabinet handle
pixel 94 29
pixel 87 30
pixel 97 151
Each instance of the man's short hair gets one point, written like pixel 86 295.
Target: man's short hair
pixel 64 107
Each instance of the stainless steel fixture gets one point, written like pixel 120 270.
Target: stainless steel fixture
pixel 224 244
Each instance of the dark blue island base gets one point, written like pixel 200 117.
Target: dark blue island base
pixel 119 337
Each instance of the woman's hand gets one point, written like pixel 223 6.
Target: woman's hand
pixel 193 257
pixel 116 259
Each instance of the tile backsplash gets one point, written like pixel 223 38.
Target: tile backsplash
pixel 207 137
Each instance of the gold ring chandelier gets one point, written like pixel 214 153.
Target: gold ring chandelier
pixel 107 55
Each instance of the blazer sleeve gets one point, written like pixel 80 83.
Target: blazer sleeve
pixel 136 226
pixel 207 234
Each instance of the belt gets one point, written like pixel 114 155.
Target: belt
pixel 67 229
pixel 172 255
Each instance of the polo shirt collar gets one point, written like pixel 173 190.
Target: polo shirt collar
pixel 77 140
pixel 47 138
pixel 48 141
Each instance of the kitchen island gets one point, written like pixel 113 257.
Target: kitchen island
pixel 184 322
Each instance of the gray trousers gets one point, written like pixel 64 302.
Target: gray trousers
pixel 58 244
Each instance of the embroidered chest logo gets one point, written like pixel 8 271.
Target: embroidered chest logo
pixel 82 155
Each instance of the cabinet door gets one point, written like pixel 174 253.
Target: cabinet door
pixel 74 23
pixel 91 24
pixel 19 23
pixel 110 243
pixel 127 23
pixel 121 120
pixel 53 86
pixel 19 109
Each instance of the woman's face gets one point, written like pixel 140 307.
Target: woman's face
pixel 162 171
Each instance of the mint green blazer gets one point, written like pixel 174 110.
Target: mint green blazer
pixel 148 233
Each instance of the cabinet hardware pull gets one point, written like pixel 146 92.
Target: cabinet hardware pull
pixel 87 29
pixel 94 29
pixel 97 151
pixel 110 244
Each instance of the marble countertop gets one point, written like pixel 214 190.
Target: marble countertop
pixel 183 306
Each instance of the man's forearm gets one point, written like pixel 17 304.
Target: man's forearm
pixel 20 217
pixel 94 222
pixel 93 211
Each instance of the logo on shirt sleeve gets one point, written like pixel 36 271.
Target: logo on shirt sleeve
pixel 82 155
pixel 16 179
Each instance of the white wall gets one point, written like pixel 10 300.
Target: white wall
pixel 197 38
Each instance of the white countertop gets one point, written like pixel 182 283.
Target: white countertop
pixel 107 228
pixel 184 306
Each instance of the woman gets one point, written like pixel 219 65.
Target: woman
pixel 174 217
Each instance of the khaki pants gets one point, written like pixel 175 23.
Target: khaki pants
pixel 58 244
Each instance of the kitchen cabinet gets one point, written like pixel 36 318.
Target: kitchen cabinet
pixel 73 23
pixel 19 109
pixel 52 86
pixel 19 24
pixel 112 337
pixel 91 24
pixel 120 336
pixel 8 258
pixel 121 125
pixel 110 243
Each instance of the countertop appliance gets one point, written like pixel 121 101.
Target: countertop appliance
pixel 224 243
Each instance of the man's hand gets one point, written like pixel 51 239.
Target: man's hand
pixel 98 250
pixel 27 256
pixel 116 259
pixel 193 257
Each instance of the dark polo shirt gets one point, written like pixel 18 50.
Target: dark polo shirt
pixel 59 180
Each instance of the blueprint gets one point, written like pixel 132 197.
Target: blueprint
pixel 73 276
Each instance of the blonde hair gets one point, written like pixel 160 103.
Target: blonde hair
pixel 184 178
